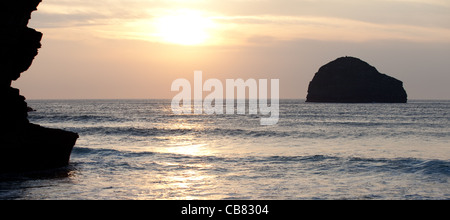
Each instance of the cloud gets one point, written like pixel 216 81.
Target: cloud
pixel 332 29
pixel 349 20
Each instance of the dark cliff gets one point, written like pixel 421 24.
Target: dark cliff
pixel 351 80
pixel 24 146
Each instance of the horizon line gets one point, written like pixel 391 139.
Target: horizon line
pixel 108 99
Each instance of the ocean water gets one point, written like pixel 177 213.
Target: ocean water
pixel 138 149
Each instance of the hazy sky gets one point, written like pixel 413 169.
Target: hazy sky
pixel 114 49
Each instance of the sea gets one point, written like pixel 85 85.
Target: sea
pixel 141 150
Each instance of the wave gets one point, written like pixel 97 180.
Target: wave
pixel 300 133
pixel 83 151
pixel 47 118
pixel 319 164
pixel 322 164
pixel 95 151
pixel 149 132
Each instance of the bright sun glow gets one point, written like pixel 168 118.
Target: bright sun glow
pixel 185 28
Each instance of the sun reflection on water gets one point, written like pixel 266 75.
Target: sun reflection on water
pixel 182 181
pixel 185 175
pixel 191 150
pixel 186 144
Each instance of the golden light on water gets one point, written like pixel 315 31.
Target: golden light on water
pixel 186 144
pixel 189 149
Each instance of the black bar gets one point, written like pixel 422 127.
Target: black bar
pixel 223 209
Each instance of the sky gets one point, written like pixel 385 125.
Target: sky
pixel 135 49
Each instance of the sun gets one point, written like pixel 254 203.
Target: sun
pixel 184 28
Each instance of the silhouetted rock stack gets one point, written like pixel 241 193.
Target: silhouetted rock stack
pixel 351 80
pixel 24 146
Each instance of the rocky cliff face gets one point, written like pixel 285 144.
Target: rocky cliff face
pixel 20 46
pixel 351 80
pixel 24 146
